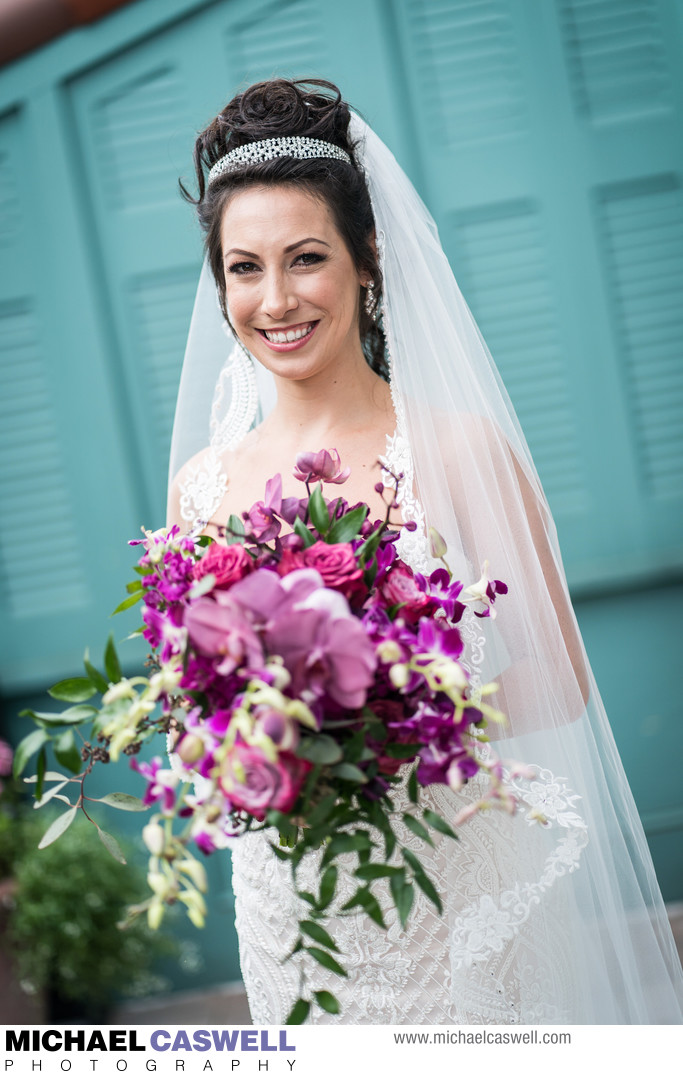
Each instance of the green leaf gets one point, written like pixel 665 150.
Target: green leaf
pixel 440 824
pixel 47 778
pixel 346 771
pixel 413 792
pixel 58 826
pixel 326 960
pixel 354 747
pixel 121 801
pixel 348 527
pixel 346 843
pixel 364 898
pixel 75 714
pixel 111 845
pixel 134 586
pixel 322 811
pixel 234 534
pixel 422 880
pixel 328 887
pixel 298 1013
pixel 41 767
pixel 303 532
pixel 307 896
pixel 54 791
pixel 389 843
pixel 376 869
pixel 96 678
pixel 283 856
pixel 319 749
pixel 127 602
pixel 78 689
pixel 402 894
pixel 67 752
pixel 430 892
pixel 284 825
pixel 27 748
pixel 318 511
pixel 417 828
pixel 318 934
pixel 401 750
pixel 327 1001
pixel 111 661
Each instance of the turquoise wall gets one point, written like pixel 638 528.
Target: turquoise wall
pixel 546 137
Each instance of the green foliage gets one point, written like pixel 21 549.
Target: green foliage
pixel 64 928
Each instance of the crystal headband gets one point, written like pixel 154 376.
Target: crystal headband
pixel 292 146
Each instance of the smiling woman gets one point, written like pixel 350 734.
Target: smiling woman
pixel 292 295
pixel 348 332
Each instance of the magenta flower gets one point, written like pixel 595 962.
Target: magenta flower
pixel 439 587
pixel 218 627
pixel 227 563
pixel 161 783
pixel 320 466
pixel 401 587
pixel 336 564
pixel 252 783
pixel 261 522
pixel 325 648
pixel 6 756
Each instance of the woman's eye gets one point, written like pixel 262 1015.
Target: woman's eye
pixel 310 258
pixel 243 268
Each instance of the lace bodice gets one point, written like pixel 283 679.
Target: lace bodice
pixel 481 962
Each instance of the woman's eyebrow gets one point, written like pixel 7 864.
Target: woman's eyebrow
pixel 288 249
pixel 310 239
pixel 242 253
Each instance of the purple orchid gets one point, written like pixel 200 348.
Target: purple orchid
pixel 324 466
pixel 444 592
pixel 261 521
pixel 161 783
pixel 218 627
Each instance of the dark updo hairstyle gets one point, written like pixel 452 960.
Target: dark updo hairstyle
pixel 274 109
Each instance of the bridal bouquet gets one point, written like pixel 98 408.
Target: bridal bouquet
pixel 301 670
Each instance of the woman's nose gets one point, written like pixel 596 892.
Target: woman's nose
pixel 278 296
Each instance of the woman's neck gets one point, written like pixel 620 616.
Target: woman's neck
pixel 346 399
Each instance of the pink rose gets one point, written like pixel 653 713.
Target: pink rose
pixel 337 566
pixel 291 560
pixel 229 564
pixel 400 587
pixel 252 783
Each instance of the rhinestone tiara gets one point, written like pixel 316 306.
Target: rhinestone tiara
pixel 292 146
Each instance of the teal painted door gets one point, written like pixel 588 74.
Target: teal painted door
pixel 545 136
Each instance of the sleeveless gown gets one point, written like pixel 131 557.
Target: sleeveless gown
pixel 478 962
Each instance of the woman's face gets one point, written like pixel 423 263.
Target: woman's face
pixel 292 289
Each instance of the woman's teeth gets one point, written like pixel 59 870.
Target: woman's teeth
pixel 289 336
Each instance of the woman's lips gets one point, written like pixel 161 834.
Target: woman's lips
pixel 289 345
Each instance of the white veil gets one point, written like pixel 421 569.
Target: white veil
pixel 580 895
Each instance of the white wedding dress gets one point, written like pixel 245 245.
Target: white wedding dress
pixel 480 962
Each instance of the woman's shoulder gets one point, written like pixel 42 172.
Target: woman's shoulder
pixel 198 489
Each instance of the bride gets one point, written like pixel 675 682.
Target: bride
pixel 348 332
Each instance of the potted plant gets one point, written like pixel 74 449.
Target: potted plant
pixel 63 911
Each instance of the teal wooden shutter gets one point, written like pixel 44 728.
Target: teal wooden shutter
pixel 551 140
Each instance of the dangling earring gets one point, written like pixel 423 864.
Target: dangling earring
pixel 370 301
